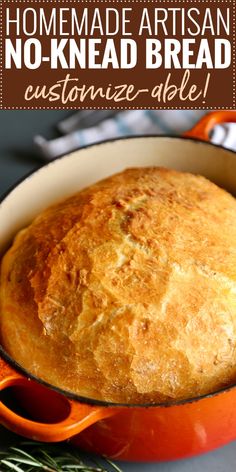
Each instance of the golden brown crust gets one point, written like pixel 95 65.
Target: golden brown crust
pixel 127 290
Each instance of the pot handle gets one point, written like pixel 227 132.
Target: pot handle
pixel 79 416
pixel 203 128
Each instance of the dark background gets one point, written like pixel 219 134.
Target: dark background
pixel 17 153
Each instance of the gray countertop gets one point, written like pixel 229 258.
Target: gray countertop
pixel 17 158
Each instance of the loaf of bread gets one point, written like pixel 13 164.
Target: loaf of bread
pixel 126 291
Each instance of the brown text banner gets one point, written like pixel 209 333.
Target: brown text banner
pixel 119 54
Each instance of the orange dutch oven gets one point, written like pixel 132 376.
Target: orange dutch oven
pixel 126 432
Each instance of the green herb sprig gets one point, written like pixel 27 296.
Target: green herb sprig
pixel 31 456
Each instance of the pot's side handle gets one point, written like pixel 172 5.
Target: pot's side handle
pixel 79 416
pixel 203 128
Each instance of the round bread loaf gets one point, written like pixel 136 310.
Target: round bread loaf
pixel 126 291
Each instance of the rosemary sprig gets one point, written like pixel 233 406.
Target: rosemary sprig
pixel 31 456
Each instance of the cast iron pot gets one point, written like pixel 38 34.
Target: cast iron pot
pixel 127 432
